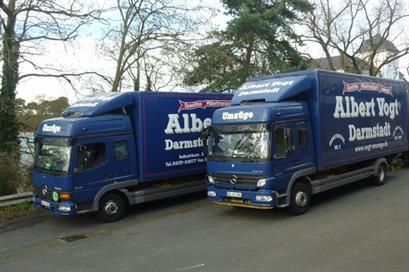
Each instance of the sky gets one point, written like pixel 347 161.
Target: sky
pixel 83 54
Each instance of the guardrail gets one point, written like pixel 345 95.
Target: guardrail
pixel 15 199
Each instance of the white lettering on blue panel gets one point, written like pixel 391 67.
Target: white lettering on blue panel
pixel 53 128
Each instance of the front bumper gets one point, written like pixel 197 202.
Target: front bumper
pixel 247 199
pixel 60 208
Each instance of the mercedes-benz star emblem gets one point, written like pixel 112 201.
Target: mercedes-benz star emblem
pixel 233 179
pixel 44 190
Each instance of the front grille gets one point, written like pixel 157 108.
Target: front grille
pixel 236 179
pixel 44 193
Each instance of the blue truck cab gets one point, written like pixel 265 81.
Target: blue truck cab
pixel 111 150
pixel 286 137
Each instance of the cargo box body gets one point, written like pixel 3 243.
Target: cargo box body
pixel 356 118
pixel 168 132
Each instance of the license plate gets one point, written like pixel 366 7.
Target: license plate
pixel 234 194
pixel 45 204
pixel 235 200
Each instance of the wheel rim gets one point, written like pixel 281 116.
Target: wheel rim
pixel 301 199
pixel 111 207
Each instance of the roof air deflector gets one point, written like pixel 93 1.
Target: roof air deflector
pixel 274 89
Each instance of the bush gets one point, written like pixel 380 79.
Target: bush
pixel 9 174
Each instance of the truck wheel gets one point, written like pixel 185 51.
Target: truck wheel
pixel 300 198
pixel 111 208
pixel 380 177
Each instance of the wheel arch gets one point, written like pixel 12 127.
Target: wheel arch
pixel 303 176
pixel 119 188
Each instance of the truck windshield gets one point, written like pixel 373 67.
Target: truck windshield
pixel 52 155
pixel 244 142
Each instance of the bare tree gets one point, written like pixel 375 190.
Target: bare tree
pixel 148 29
pixel 25 26
pixel 359 31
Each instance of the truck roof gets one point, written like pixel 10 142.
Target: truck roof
pixel 83 126
pixel 272 89
pixel 116 102
pixel 98 104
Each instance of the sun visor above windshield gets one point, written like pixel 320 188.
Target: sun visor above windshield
pixel 272 89
pixel 99 104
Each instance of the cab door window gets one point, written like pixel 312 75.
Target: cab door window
pixel 302 138
pixel 90 155
pixel 120 150
pixel 282 140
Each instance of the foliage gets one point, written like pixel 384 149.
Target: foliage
pixel 258 40
pixel 25 24
pixel 31 114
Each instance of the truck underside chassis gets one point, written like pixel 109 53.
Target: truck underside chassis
pixel 297 197
pixel 111 203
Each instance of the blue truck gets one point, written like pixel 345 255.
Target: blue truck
pixel 112 150
pixel 286 137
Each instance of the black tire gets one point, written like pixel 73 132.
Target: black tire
pixel 111 207
pixel 379 178
pixel 300 199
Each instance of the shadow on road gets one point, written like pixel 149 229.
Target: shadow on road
pixel 319 201
pixel 160 208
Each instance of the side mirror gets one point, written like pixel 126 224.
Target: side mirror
pixel 205 138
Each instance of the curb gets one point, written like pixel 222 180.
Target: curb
pixel 23 221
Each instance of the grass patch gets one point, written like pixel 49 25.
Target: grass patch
pixel 16 211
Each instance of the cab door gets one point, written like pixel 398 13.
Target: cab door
pixel 91 168
pixel 282 153
pixel 121 158
pixel 301 145
pixel 291 149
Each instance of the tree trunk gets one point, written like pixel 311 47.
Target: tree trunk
pixel 137 78
pixel 118 73
pixel 8 121
pixel 247 60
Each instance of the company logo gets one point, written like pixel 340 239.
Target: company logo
pixel 398 133
pixel 233 179
pixel 366 86
pixel 53 128
pixel 44 191
pixel 202 104
pixel 337 141
pixel 241 115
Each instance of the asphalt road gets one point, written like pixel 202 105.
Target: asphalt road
pixel 354 228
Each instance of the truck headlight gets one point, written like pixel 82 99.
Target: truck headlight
pixel 262 198
pixel 64 208
pixel 211 193
pixel 261 182
pixel 210 179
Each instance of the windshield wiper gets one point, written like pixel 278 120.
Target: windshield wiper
pixel 55 172
pixel 240 143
